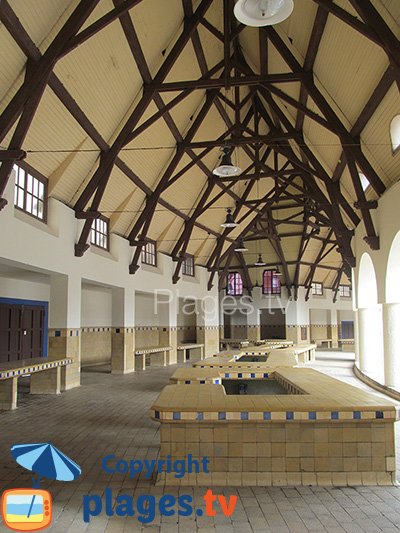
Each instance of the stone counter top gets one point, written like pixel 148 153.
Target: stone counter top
pixel 321 398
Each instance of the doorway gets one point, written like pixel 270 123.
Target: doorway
pixel 23 330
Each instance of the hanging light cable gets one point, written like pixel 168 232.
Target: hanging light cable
pixel 226 167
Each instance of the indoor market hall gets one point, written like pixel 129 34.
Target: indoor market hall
pixel 200 266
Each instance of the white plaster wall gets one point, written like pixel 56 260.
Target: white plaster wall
pixel 24 290
pixel 144 310
pixel 96 307
pixel 320 317
pixel 49 248
pixel 186 313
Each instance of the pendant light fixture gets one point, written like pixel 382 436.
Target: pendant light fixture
pixel 240 246
pixel 226 167
pixel 229 221
pixel 263 12
pixel 277 271
pixel 260 262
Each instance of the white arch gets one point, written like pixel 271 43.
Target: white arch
pixel 392 285
pixel 395 132
pixel 370 325
pixel 367 289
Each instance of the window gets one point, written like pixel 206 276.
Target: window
pixel 149 254
pixel 30 193
pixel 317 289
pixel 271 282
pixel 364 182
pixel 234 285
pixel 99 233
pixel 188 266
pixel 395 133
pixel 345 291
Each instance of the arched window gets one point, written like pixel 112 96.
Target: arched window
pixel 271 282
pixel 234 286
pixel 395 133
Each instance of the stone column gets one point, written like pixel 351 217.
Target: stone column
pixel 334 333
pixel 254 320
pixel 167 313
pixel 371 342
pixel 208 327
pixel 356 339
pixel 8 393
pixel 65 325
pixel 123 332
pixel 391 339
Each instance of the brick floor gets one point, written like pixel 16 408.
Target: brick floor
pixel 108 414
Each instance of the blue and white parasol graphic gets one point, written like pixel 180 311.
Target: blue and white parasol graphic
pixel 46 461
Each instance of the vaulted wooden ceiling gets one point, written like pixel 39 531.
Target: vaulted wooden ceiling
pixel 124 105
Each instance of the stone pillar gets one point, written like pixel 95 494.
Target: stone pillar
pixel 208 327
pixel 123 332
pixel 8 393
pixel 65 325
pixel 371 342
pixel 356 339
pixel 167 312
pixel 391 339
pixel 334 333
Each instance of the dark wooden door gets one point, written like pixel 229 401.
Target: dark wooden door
pixel 21 332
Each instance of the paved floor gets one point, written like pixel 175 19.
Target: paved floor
pixel 109 415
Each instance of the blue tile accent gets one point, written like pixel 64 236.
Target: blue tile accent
pixel 240 375
pixel 217 381
pixel 187 382
pixel 267 416
pixel 334 415
pixel 312 415
pixel 202 381
pixel 289 415
pixel 379 414
pixel 252 375
pixel 157 414
pixel 357 415
pixel 221 415
pixel 200 416
pixel 176 415
pixel 227 375
pixel 57 334
pixel 244 415
pixel 266 375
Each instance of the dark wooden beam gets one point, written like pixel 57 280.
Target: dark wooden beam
pixel 269 139
pixel 32 52
pixel 369 109
pixel 312 50
pixel 218 83
pixel 101 23
pixel 12 155
pixel 27 98
pixel 100 178
pixel 350 144
pixel 34 84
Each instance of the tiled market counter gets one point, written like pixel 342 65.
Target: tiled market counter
pixel 323 432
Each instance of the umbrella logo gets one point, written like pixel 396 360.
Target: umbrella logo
pixel 31 509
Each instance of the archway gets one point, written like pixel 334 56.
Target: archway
pixel 391 316
pixel 370 328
